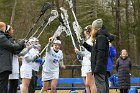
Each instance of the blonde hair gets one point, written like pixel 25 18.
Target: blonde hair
pixel 93 33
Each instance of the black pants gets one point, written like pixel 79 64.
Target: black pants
pixel 4 76
pixel 13 84
pixel 106 80
pixel 123 90
pixel 33 83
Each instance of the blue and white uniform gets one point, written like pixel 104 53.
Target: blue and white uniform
pixel 86 62
pixel 51 65
pixel 35 66
pixel 26 67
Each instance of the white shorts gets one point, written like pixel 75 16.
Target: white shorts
pixel 49 76
pixel 14 76
pixel 85 69
pixel 25 73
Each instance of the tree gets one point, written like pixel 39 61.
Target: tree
pixel 117 25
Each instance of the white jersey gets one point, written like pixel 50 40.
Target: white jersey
pixel 29 65
pixel 87 54
pixel 15 68
pixel 35 66
pixel 15 64
pixel 86 62
pixel 52 61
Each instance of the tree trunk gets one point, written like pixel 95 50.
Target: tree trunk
pixel 117 26
pixel 95 8
pixel 138 28
pixel 127 22
pixel 113 8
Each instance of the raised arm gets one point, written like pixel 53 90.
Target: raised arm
pixel 51 39
pixel 102 52
pixel 48 47
pixel 9 46
pixel 87 46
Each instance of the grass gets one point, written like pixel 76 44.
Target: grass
pixel 79 91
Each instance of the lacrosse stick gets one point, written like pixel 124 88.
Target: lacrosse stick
pixel 77 28
pixel 57 33
pixel 66 23
pixel 54 16
pixel 45 7
pixel 45 21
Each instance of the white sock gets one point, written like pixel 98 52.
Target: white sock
pixel 41 91
pixel 20 86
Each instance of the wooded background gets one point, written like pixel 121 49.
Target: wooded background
pixel 121 18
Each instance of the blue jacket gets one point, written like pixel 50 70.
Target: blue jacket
pixel 112 54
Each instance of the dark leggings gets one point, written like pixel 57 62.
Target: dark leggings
pixel 13 84
pixel 123 90
pixel 106 80
pixel 4 81
pixel 33 83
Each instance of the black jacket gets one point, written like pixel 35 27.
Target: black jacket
pixel 99 53
pixel 123 67
pixel 104 31
pixel 7 49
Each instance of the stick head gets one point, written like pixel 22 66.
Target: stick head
pixel 33 40
pixel 54 14
pixel 64 12
pixel 58 32
pixel 77 29
pixel 46 6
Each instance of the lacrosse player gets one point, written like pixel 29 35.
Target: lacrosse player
pixel 35 68
pixel 86 63
pixel 53 58
pixel 27 62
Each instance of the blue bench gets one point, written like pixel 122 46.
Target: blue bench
pixel 78 84
pixel 134 80
pixel 66 84
pixel 71 81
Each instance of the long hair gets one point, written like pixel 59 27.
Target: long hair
pixel 93 33
pixel 10 31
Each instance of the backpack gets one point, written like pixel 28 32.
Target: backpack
pixel 114 80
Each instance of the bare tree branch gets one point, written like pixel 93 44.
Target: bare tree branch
pixel 13 13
